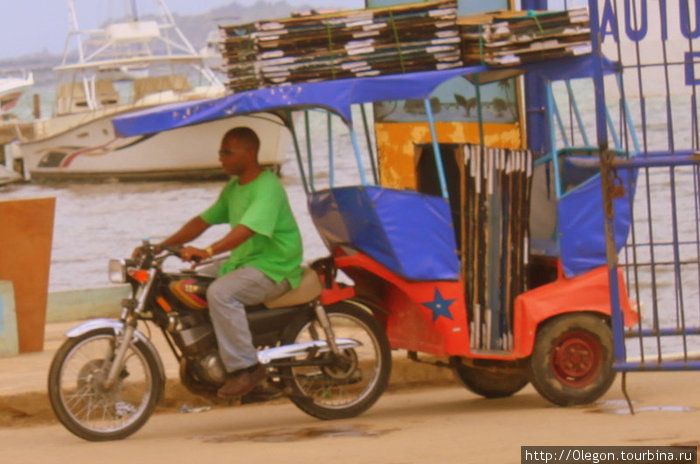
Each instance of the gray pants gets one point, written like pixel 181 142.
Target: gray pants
pixel 227 296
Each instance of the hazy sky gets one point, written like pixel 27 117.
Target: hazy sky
pixel 28 26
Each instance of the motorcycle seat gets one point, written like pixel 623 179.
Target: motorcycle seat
pixel 309 289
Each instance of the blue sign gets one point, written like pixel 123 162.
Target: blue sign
pixel 637 14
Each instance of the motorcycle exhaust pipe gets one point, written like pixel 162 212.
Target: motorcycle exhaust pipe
pixel 268 355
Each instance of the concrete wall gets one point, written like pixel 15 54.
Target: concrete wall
pixel 74 305
pixel 64 306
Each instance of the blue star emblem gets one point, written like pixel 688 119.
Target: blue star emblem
pixel 440 306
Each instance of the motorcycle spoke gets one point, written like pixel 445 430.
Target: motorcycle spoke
pixel 79 397
pixel 343 381
pixel 88 402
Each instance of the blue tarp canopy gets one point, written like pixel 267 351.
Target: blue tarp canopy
pixel 374 220
pixel 581 219
pixel 338 95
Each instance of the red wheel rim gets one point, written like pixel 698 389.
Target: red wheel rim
pixel 576 358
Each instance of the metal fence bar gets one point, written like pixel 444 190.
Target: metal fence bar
pixel 663 366
pixel 663 332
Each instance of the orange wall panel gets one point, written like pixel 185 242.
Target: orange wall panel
pixel 26 233
pixel 398 156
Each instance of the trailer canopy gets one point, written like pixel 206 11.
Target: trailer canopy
pixel 337 96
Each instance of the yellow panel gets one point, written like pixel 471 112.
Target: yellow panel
pixel 396 145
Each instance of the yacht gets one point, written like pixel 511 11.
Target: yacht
pixel 129 64
pixel 12 85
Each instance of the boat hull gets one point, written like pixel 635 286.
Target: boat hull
pixel 91 152
pixel 11 89
pixel 8 176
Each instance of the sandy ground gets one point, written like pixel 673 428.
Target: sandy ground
pixel 425 417
pixel 24 399
pixel 33 408
pixel 435 425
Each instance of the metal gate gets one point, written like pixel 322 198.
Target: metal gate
pixel 648 113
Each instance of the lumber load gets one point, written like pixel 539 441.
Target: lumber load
pixel 502 38
pixel 495 203
pixel 356 43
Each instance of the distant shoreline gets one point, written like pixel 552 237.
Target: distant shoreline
pixel 195 27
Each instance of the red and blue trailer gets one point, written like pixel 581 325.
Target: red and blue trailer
pixel 497 268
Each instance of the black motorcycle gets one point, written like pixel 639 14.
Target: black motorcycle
pixel 107 378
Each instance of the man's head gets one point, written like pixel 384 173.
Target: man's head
pixel 239 150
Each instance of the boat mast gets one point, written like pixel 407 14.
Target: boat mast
pixel 134 12
pixel 170 37
pixel 73 30
pixel 170 24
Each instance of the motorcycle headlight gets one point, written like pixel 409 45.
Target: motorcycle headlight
pixel 116 271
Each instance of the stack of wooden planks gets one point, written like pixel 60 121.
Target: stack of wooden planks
pixel 357 43
pixel 502 38
pixel 495 199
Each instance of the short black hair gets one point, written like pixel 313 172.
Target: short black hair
pixel 245 134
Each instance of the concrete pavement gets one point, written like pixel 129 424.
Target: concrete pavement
pixel 444 425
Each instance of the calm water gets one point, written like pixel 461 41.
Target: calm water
pixel 96 222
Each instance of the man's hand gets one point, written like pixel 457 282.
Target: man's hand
pixel 190 253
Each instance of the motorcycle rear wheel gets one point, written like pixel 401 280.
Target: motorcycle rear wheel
pixel 349 385
pixel 80 401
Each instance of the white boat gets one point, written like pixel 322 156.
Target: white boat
pixel 7 175
pixel 12 85
pixel 211 52
pixel 123 67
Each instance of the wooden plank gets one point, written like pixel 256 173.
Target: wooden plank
pixel 507 37
pixel 397 39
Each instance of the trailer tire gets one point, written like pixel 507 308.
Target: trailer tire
pixel 490 384
pixel 572 359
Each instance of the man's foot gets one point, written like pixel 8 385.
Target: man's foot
pixel 242 381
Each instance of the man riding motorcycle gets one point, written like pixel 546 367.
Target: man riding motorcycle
pixel 266 253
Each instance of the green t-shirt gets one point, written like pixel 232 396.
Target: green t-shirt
pixel 263 207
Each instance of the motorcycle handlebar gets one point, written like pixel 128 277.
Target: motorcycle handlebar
pixel 172 249
pixel 148 252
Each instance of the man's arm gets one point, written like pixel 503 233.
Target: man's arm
pixel 190 231
pixel 238 235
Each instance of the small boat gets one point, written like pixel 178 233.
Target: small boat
pixel 12 86
pixel 8 176
pixel 126 66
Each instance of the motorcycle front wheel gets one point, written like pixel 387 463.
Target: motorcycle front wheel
pixel 339 387
pixel 78 395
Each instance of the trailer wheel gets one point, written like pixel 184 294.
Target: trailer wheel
pixel 571 362
pixel 490 384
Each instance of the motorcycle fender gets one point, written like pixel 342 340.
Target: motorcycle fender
pixel 117 326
